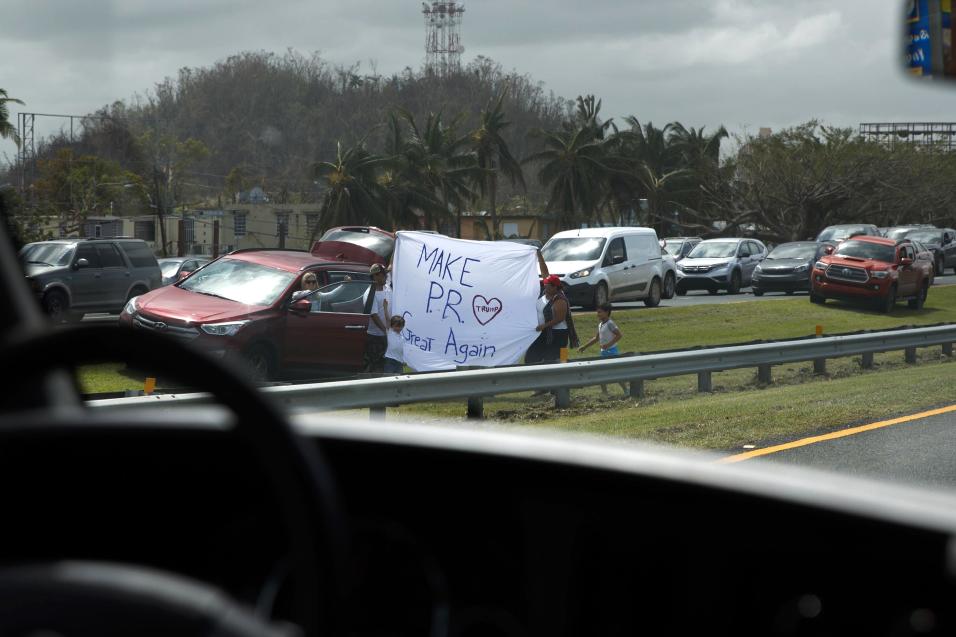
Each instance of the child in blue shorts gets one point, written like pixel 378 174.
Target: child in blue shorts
pixel 608 334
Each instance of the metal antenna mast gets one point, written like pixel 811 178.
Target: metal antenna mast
pixel 443 46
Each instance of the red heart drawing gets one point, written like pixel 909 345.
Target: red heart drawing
pixel 485 309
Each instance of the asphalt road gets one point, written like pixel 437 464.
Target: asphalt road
pixel 920 452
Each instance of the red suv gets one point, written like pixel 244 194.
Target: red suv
pixel 241 306
pixel 875 269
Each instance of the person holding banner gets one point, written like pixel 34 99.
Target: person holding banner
pixel 555 324
pixel 376 343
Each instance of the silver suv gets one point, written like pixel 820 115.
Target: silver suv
pixel 720 264
pixel 72 277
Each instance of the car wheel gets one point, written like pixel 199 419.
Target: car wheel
pixel 712 291
pixel 653 298
pixel 920 300
pixel 259 362
pixel 670 282
pixel 889 301
pixel 789 292
pixel 757 292
pixel 734 287
pixel 600 294
pixel 815 298
pixel 56 306
pixel 136 292
pixel 681 292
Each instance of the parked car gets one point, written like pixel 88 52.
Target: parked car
pixel 787 267
pixel 873 269
pixel 241 308
pixel 923 253
pixel 898 232
pixel 72 277
pixel 941 242
pixel 720 264
pixel 839 232
pixel 363 244
pixel 669 267
pixel 175 268
pixel 597 265
pixel 680 247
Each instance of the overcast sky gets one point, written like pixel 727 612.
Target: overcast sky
pixel 741 63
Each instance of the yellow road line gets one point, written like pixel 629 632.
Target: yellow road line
pixel 836 434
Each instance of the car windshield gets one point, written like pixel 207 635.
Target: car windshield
pixel 377 243
pixel 47 253
pixel 840 233
pixel 793 251
pixel 866 250
pixel 573 249
pixel 427 134
pixel 926 236
pixel 240 281
pixel 713 250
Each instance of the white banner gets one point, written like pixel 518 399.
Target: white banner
pixel 465 303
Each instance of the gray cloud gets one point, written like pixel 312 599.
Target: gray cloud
pixel 742 63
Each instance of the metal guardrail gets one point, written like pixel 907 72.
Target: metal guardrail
pixel 378 393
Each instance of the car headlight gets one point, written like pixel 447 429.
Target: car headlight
pixel 879 274
pixel 800 268
pixel 580 274
pixel 223 329
pixel 820 265
pixel 758 269
pixel 679 266
pixel 132 306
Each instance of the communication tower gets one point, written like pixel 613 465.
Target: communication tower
pixel 443 46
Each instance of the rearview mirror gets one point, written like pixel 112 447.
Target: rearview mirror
pixel 928 31
pixel 906 261
pixel 81 263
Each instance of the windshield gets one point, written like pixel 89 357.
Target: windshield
pixel 47 253
pixel 574 249
pixel 248 132
pixel 377 243
pixel 866 250
pixel 240 281
pixel 794 251
pixel 714 250
pixel 840 233
pixel 926 236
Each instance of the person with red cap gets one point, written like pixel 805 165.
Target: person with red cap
pixel 555 324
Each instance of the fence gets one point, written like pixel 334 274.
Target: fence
pixel 379 393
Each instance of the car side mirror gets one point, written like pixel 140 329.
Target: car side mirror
pixel 81 263
pixel 184 274
pixel 617 258
pixel 906 261
pixel 828 250
pixel 302 306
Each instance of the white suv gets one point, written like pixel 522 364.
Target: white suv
pixel 720 264
pixel 597 265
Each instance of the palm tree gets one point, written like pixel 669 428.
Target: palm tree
pixel 7 131
pixel 444 164
pixel 577 163
pixel 493 155
pixel 353 194
pixel 402 183
pixel 700 154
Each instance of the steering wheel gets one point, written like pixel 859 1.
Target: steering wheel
pixel 301 483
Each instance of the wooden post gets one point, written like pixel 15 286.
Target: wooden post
pixel 764 375
pixel 947 349
pixel 909 355
pixel 637 389
pixel 819 364
pixel 867 361
pixel 704 382
pixel 476 408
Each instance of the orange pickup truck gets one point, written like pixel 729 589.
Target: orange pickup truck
pixel 873 269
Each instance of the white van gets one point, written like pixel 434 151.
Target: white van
pixel 597 265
